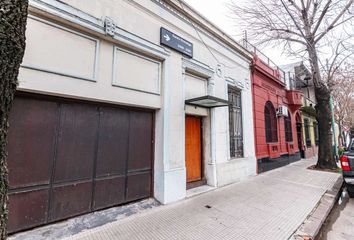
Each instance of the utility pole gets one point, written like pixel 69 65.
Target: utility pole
pixel 334 130
pixel 335 152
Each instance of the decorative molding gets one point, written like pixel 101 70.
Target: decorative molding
pixel 219 71
pixel 110 26
pixel 248 83
pixel 67 12
pixel 230 80
pixel 93 78
pixel 230 45
pixel 114 73
pixel 197 68
pixel 238 83
pixel 82 19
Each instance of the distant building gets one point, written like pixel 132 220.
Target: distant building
pixel 276 114
pixel 298 77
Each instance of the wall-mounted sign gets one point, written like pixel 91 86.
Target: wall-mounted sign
pixel 175 42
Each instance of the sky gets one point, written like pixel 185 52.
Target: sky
pixel 218 13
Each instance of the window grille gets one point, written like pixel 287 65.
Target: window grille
pixel 235 123
pixel 288 130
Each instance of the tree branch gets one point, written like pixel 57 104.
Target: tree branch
pixel 319 21
pixel 331 26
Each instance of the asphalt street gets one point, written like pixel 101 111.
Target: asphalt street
pixel 340 223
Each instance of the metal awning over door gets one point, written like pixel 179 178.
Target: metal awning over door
pixel 68 158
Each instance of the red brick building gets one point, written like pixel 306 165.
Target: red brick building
pixel 277 119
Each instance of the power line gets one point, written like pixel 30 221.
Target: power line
pixel 202 40
pixel 210 50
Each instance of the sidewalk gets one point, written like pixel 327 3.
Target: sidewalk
pixel 269 206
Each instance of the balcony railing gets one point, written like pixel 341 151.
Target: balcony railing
pixel 266 60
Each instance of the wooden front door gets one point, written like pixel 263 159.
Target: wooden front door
pixel 193 149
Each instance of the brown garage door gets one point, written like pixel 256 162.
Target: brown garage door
pixel 68 158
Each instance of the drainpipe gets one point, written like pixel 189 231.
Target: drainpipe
pixel 333 129
pixel 211 92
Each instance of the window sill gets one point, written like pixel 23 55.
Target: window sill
pixel 235 159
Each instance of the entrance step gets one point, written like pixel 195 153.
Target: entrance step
pixel 199 190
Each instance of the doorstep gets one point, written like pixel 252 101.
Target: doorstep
pixel 199 190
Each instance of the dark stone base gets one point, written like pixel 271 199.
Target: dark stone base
pixel 266 164
pixel 67 228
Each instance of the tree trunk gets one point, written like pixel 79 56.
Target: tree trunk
pixel 323 112
pixel 13 19
pixel 324 118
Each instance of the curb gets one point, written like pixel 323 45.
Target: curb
pixel 311 227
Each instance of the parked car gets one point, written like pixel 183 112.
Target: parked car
pixel 347 163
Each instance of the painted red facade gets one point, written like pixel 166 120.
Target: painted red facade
pixel 268 86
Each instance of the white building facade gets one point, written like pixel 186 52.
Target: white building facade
pixel 90 66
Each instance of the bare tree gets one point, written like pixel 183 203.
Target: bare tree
pixel 13 19
pixel 343 97
pixel 303 28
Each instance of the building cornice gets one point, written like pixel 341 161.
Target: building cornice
pixel 58 11
pixel 189 15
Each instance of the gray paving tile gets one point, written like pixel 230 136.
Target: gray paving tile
pixel 270 206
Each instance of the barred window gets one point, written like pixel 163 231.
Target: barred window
pixel 288 130
pixel 307 132
pixel 235 122
pixel 271 127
